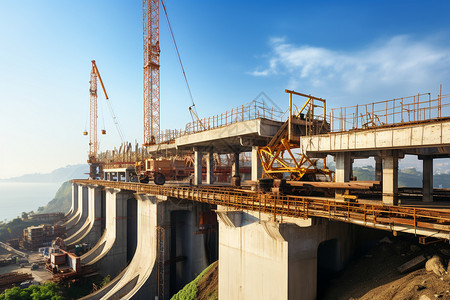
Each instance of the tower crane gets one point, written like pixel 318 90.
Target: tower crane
pixel 94 165
pixel 151 72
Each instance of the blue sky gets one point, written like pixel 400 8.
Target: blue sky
pixel 345 51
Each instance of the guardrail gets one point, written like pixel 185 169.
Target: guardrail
pixel 423 221
pixel 416 108
pixel 253 110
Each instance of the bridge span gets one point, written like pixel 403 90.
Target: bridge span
pixel 270 244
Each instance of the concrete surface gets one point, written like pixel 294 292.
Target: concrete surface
pixel 263 259
pixel 74 207
pixel 141 267
pixel 77 221
pixel 91 230
pixel 408 137
pixel 109 255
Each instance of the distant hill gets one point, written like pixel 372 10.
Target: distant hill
pixel 59 175
pixel 408 177
pixel 62 201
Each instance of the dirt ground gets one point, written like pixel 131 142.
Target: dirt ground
pixel 208 284
pixel 40 274
pixel 374 274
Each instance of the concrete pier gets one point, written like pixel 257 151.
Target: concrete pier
pixel 91 230
pixel 235 166
pixel 263 259
pixel 184 250
pixel 109 255
pixel 427 179
pixel 390 177
pixel 75 223
pixel 256 165
pixel 74 207
pixel 198 155
pixel 210 168
pixel 343 170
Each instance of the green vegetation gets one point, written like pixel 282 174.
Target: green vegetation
pixel 61 203
pixel 14 228
pixel 34 292
pixel 105 281
pixel 189 292
pixel 62 200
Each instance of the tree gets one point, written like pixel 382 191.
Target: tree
pixel 48 291
pixel 24 215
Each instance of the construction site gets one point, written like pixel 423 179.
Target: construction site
pixel 269 194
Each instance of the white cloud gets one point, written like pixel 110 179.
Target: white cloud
pixel 400 63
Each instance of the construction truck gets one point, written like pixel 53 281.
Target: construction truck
pixel 158 170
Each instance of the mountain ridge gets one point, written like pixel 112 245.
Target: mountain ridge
pixel 58 175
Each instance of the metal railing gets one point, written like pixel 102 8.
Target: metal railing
pixel 253 110
pixel 412 219
pixel 417 108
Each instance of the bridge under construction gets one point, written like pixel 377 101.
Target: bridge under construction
pixel 264 228
pixel 252 187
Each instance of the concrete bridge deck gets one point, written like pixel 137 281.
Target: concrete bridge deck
pixel 415 220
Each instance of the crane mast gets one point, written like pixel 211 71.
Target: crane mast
pixel 93 116
pixel 93 143
pixel 151 72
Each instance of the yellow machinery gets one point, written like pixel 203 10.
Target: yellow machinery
pixel 278 156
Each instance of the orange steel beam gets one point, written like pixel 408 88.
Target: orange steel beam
pixel 369 215
pixel 94 66
pixel 151 71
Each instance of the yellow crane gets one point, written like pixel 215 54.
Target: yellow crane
pixel 94 165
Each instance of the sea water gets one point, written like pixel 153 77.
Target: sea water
pixel 18 197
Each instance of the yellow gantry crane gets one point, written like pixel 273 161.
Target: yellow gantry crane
pixel 94 165
pixel 278 157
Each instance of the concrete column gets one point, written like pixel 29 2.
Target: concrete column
pixel 83 208
pixel 262 259
pixel 378 169
pixel 235 166
pixel 109 255
pixel 343 167
pixel 74 208
pixel 139 280
pixel 210 168
pixel 343 171
pixel 197 167
pixel 74 215
pixel 427 179
pixel 390 178
pixel 256 164
pixel 91 230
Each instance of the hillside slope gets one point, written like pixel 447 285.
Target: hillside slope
pixel 62 200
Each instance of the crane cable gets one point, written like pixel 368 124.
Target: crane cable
pixel 192 107
pixel 116 121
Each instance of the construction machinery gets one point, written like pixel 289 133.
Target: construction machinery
pixel 94 164
pixel 279 157
pixel 158 170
